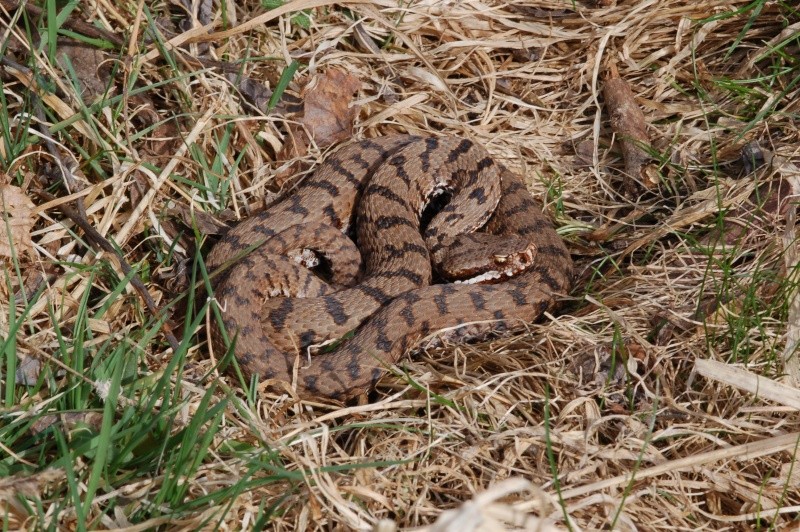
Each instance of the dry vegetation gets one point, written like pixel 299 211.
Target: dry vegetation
pixel 664 395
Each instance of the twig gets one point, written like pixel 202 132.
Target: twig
pixel 69 179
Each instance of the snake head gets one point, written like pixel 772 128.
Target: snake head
pixel 486 258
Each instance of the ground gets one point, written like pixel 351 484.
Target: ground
pixel 661 138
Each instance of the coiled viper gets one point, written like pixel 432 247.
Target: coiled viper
pixel 397 175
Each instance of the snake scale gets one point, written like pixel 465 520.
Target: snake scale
pixel 274 309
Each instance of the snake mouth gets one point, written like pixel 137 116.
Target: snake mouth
pixel 489 277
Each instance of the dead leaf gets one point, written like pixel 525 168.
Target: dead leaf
pixel 68 421
pixel 16 223
pixel 254 92
pixel 327 111
pixel 29 485
pixel 584 153
pixel 203 12
pixel 629 123
pixel 89 66
pixel 28 371
pixel 428 78
pixel 205 223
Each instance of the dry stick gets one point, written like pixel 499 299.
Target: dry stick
pixel 785 442
pixel 124 233
pixel 69 180
pixel 791 355
pixel 759 386
pixel 684 218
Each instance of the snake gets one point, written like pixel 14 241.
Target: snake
pixel 498 258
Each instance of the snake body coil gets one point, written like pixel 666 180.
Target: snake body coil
pixel 275 310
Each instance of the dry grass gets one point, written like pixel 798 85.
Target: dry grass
pixel 592 419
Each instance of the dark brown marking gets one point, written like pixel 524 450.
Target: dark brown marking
pixel 478 194
pixel 279 315
pixel 478 300
pixel 463 147
pixel 387 193
pixel 387 222
pixel 431 145
pixel 335 309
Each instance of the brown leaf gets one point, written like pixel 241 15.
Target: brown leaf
pixel 584 152
pixel 164 137
pixel 628 122
pixel 89 65
pixel 254 91
pixel 29 485
pixel 28 371
pixel 68 421
pixel 328 114
pixel 206 224
pixel 16 222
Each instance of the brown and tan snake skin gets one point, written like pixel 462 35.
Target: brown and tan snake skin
pixel 275 310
